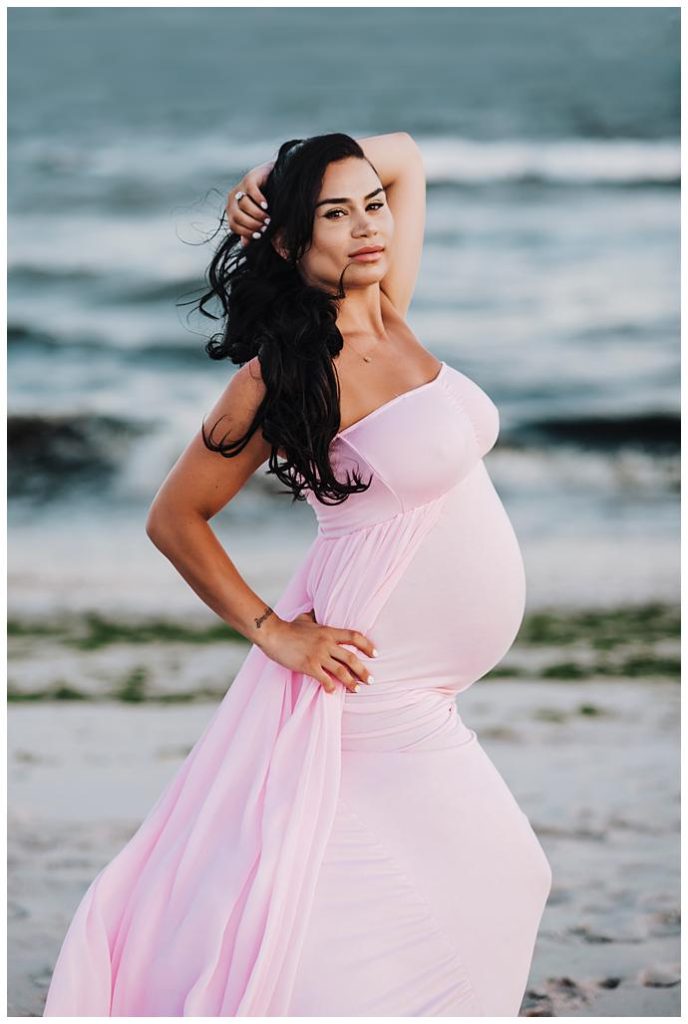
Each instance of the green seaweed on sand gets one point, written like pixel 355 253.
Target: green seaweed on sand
pixel 94 631
pixel 602 628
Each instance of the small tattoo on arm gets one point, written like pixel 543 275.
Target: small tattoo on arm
pixel 259 621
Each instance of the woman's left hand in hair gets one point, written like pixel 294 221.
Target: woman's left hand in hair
pixel 248 216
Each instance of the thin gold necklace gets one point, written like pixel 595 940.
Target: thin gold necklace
pixel 366 359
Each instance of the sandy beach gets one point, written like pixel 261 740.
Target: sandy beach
pixel 583 727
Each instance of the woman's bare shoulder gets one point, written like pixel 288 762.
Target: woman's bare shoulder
pixel 244 392
pixel 248 391
pixel 237 404
pixel 250 377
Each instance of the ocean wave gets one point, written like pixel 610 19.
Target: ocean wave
pixel 109 457
pixel 447 160
pixel 550 161
pixel 651 431
pixel 109 285
pixel 24 337
pixel 48 454
pixel 49 274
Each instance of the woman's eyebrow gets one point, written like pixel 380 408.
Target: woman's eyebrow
pixel 369 196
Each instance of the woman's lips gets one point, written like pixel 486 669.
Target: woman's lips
pixel 368 257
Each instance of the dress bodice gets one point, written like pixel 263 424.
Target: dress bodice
pixel 413 449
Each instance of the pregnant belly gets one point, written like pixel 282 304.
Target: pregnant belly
pixel 458 608
pixel 451 618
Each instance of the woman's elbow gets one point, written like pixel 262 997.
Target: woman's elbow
pixel 168 523
pixel 158 524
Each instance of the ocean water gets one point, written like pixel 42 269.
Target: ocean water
pixel 550 272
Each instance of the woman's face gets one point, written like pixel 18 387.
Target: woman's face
pixel 358 218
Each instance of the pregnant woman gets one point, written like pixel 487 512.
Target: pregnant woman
pixel 337 842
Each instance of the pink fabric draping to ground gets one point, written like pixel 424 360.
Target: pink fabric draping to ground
pixel 378 812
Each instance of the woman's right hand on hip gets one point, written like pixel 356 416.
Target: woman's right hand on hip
pixel 303 645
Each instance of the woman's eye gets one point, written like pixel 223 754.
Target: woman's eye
pixel 331 212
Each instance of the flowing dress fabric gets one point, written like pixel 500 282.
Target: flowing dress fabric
pixel 350 853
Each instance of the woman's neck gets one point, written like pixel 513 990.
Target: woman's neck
pixel 360 315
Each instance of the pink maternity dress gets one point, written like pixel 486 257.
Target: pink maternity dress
pixel 351 854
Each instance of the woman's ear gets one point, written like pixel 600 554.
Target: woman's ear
pixel 278 246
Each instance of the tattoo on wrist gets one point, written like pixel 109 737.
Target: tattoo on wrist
pixel 259 621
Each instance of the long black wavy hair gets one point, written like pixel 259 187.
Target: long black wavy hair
pixel 269 311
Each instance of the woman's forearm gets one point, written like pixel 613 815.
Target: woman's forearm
pixel 193 548
pixel 389 154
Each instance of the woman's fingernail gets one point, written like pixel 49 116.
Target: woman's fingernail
pixel 256 234
pixel 371 679
pixel 267 220
pixel 264 228
pixel 264 205
pixel 374 652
